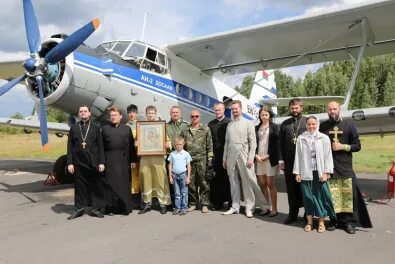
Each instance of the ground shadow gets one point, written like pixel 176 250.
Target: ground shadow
pixel 33 187
pixel 62 208
pixel 33 166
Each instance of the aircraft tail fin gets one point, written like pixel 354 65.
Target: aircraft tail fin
pixel 264 88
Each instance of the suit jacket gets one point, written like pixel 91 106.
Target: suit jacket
pixel 273 143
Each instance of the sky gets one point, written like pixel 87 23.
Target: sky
pixel 167 22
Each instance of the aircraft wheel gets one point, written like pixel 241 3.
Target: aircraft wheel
pixel 60 170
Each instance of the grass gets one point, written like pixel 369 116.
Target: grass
pixel 21 146
pixel 376 154
pixel 374 157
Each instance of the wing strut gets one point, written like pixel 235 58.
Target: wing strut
pixel 364 31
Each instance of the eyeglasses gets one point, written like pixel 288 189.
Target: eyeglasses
pixel 195 116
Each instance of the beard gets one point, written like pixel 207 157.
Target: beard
pixel 334 117
pixel 296 114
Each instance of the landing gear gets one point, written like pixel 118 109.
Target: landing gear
pixel 60 170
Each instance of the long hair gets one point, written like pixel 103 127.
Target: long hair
pixel 266 109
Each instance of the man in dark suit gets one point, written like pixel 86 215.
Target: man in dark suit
pixel 85 160
pixel 290 129
pixel 219 186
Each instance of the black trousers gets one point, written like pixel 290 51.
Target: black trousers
pixel 220 187
pixel 90 188
pixel 294 192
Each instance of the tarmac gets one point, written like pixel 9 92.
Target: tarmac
pixel 34 229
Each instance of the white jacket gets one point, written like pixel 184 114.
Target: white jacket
pixel 302 164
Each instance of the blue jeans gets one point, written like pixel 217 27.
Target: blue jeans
pixel 180 191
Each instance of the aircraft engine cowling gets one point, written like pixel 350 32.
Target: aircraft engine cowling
pixel 56 78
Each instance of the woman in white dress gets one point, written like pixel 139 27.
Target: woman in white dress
pixel 266 158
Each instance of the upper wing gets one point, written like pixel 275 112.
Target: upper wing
pixel 296 41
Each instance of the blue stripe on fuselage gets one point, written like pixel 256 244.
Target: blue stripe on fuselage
pixel 152 82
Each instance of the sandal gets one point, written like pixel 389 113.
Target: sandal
pixel 263 213
pixel 321 228
pixel 308 228
pixel 273 214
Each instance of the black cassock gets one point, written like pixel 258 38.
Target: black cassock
pixel 120 153
pixel 219 186
pixel 342 161
pixel 89 184
pixel 287 147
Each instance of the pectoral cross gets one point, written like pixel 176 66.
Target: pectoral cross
pixel 294 140
pixel 83 145
pixel 335 132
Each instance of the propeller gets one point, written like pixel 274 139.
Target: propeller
pixel 6 87
pixel 37 67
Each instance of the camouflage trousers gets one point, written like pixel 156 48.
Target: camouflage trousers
pixel 199 188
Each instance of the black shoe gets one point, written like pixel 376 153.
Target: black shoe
pixel 331 226
pixel 290 220
pixel 97 213
pixel 75 214
pixel 350 229
pixel 163 210
pixel 144 210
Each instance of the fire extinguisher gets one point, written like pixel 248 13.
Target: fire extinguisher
pixel 391 181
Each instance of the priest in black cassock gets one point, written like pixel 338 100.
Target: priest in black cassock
pixel 85 160
pixel 120 159
pixel 290 129
pixel 348 202
pixel 219 186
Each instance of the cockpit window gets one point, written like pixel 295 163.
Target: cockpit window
pixel 120 47
pixel 136 50
pixel 107 46
pixel 161 59
pixel 140 55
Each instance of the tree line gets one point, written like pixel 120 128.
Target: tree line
pixel 375 84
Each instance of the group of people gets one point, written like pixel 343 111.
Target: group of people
pixel 110 177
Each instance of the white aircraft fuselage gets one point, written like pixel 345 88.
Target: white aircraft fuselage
pixel 100 78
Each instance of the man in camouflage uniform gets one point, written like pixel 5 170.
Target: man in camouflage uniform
pixel 198 143
pixel 176 126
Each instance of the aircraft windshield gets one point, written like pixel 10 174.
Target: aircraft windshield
pixel 140 54
pixel 136 50
pixel 120 47
pixel 107 46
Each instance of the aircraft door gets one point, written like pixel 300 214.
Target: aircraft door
pixel 109 86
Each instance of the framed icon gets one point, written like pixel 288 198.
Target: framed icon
pixel 151 138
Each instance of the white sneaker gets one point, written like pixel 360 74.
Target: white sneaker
pixel 230 211
pixel 249 213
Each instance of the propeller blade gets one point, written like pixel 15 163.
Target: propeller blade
pixel 31 26
pixel 43 115
pixel 6 87
pixel 72 42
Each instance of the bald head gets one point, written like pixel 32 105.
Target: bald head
pixel 333 110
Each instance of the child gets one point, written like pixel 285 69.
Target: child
pixel 180 176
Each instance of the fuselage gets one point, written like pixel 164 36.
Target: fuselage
pixel 99 79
